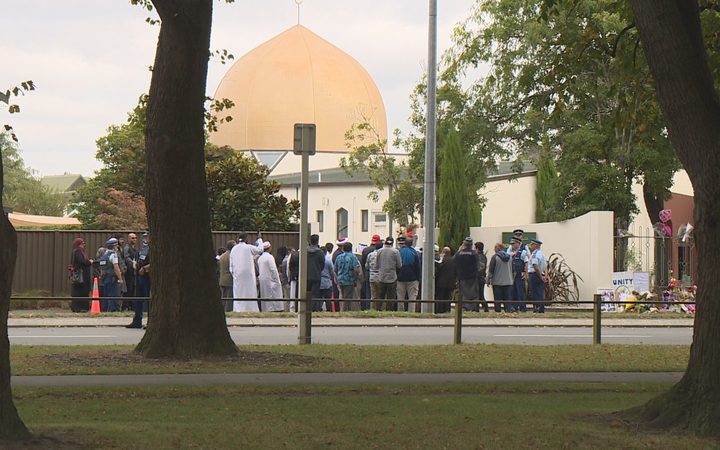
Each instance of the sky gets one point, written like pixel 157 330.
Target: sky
pixel 89 60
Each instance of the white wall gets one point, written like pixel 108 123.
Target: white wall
pixel 354 199
pixel 586 242
pixel 509 200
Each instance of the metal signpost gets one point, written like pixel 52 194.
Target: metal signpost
pixel 304 145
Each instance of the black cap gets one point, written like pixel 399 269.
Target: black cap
pixel 468 240
pixel 516 239
pixel 389 240
pixel 536 241
pixel 401 239
pixel 518 231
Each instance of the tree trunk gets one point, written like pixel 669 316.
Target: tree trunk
pixel 672 39
pixel 11 426
pixel 187 319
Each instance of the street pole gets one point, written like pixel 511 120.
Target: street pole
pixel 428 260
pixel 304 308
pixel 304 145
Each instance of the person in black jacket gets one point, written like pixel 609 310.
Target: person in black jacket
pixel 445 282
pixel 466 271
pixel 81 262
pixel 316 263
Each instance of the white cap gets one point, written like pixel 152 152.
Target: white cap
pixel 266 245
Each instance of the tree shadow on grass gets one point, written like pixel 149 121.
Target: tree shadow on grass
pixel 125 358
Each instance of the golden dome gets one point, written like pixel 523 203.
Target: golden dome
pixel 297 77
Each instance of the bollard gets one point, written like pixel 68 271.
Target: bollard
pixel 458 322
pixel 597 323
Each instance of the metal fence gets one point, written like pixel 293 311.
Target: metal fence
pixel 664 258
pixel 43 256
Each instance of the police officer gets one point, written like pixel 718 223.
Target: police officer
pixel 142 281
pixel 111 275
pixel 537 269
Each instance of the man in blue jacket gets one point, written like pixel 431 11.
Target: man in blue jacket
pixel 409 277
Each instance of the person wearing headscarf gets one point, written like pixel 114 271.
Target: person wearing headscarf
pixel 80 262
pixel 242 268
pixel 269 278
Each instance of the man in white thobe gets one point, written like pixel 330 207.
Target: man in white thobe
pixel 270 286
pixel 242 268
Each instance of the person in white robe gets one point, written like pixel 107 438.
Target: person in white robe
pixel 270 285
pixel 242 268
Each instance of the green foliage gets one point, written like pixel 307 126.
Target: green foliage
pixel 455 194
pixel 568 76
pixel 242 198
pixel 562 285
pixel 22 191
pixel 122 153
pixel 545 186
pixel 13 108
pixel 240 195
pixel 367 155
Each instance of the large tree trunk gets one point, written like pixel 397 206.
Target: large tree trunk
pixel 671 36
pixel 11 426
pixel 187 319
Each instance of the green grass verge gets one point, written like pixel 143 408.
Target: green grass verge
pixel 543 416
pixel 56 360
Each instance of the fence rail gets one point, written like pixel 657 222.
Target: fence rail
pixel 597 303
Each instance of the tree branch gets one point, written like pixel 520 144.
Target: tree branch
pixel 619 36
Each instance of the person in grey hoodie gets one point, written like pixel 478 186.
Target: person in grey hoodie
pixel 388 264
pixel 500 277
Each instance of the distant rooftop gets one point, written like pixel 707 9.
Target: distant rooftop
pixel 505 169
pixel 68 182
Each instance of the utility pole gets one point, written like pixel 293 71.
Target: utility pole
pixel 428 260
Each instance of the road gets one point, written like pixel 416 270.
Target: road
pixel 375 335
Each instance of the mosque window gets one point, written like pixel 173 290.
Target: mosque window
pixel 321 220
pixel 365 219
pixel 342 223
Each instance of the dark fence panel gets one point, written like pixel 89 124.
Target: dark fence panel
pixel 43 256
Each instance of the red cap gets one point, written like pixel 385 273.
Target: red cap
pixel 375 238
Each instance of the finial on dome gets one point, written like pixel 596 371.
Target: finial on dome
pixel 298 3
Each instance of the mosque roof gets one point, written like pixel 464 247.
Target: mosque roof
pixel 504 170
pixel 297 77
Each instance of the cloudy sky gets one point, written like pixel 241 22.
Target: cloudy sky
pixel 89 60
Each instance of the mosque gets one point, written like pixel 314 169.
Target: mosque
pixel 299 77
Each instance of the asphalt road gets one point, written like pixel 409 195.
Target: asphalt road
pixel 370 335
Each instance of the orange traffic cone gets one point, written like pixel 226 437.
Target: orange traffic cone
pixel 95 306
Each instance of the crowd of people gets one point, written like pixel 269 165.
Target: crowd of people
pixel 385 275
pixel 121 268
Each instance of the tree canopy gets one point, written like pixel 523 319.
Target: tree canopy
pixel 567 76
pixel 240 195
pixel 23 191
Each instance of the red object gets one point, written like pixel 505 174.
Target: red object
pixel 95 306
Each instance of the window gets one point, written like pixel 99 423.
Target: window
pixel 342 223
pixel 365 218
pixel 380 217
pixel 320 220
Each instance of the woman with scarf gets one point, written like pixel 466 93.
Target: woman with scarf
pixel 80 262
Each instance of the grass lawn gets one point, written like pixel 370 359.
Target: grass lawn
pixel 349 417
pixel 59 360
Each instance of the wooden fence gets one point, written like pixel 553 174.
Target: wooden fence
pixel 43 256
